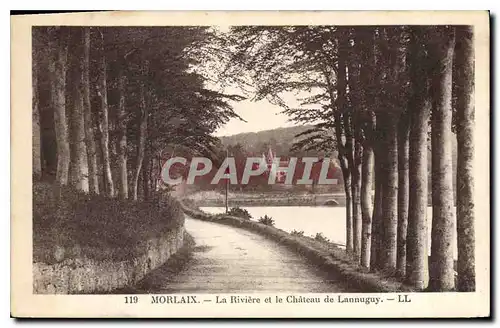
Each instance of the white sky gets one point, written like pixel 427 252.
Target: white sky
pixel 260 115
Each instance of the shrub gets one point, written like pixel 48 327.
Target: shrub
pixel 297 233
pixel 98 226
pixel 239 212
pixel 320 237
pixel 267 220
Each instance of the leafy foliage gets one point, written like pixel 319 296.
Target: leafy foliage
pixel 239 212
pixel 320 237
pixel 267 220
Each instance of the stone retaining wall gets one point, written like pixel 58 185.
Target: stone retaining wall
pixel 83 275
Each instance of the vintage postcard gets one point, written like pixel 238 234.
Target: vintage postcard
pixel 251 165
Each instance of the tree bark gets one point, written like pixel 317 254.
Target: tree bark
pixel 356 198
pixel 366 203
pixel 122 144
pixel 143 126
pixel 104 125
pixel 344 150
pixel 375 249
pixel 441 267
pixel 403 192
pixel 87 117
pixel 79 162
pixel 354 136
pixel 464 56
pixel 354 166
pixel 36 146
pixel 390 199
pixel 419 108
pixel 348 204
pixel 57 69
pixel 416 248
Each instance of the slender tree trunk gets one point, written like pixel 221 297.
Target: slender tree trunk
pixel 356 199
pixel 79 162
pixel 122 145
pixel 419 109
pixel 403 192
pixel 349 155
pixel 464 56
pixel 348 205
pixel 37 160
pixel 375 249
pixel 104 125
pixel 365 48
pixel 344 155
pixel 57 68
pixel 354 163
pixel 143 126
pixel 87 116
pixel 390 199
pixel 366 203
pixel 354 138
pixel 441 268
pixel 346 175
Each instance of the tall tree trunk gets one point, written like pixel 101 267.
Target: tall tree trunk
pixel 79 162
pixel 375 249
pixel 143 126
pixel 122 145
pixel 403 191
pixel 419 109
pixel 366 203
pixel 355 168
pixel 416 241
pixel 36 146
pixel 441 268
pixel 104 124
pixel 390 199
pixel 367 134
pixel 345 152
pixel 464 57
pixel 57 69
pixel 87 116
pixel 346 174
pixel 354 137
pixel 356 198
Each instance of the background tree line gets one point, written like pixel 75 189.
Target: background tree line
pixel 376 94
pixel 108 101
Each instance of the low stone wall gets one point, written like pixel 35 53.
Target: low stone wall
pixel 329 258
pixel 83 275
pixel 290 201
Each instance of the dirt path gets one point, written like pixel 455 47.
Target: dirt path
pixel 228 260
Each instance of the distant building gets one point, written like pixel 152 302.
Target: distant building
pixel 281 170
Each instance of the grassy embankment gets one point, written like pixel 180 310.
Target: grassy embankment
pixel 71 224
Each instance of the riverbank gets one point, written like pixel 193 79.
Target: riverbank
pixel 215 198
pixel 328 257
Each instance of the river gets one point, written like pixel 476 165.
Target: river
pixel 330 221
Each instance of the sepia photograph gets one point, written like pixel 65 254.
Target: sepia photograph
pixel 212 164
